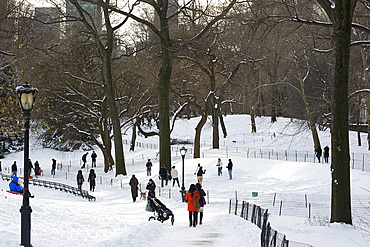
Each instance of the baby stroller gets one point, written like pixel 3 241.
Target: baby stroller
pixel 163 213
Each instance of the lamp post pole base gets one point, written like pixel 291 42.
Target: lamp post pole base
pixel 183 192
pixel 26 225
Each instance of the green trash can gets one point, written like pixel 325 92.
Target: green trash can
pixel 254 194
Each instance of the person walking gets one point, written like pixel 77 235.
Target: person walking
pixel 192 195
pixel 151 188
pixel 53 166
pixel 84 160
pixel 163 173
pixel 219 166
pixel 149 167
pixel 202 202
pixel 37 168
pixel 134 187
pixel 318 153
pixel 200 174
pixel 93 159
pixel 80 179
pixel 14 168
pixel 91 179
pixel 230 169
pixel 326 154
pixel 30 167
pixel 175 176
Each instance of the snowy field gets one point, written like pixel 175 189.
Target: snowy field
pixel 61 219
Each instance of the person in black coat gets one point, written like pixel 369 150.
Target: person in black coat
pixel 202 202
pixel 30 167
pixel 149 167
pixel 84 160
pixel 14 168
pixel 134 187
pixel 200 174
pixel 93 159
pixel 151 188
pixel 91 179
pixel 53 166
pixel 326 154
pixel 37 168
pixel 230 169
pixel 163 173
pixel 80 179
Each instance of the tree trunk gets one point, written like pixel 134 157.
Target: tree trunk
pixel 133 138
pixel 368 121
pixel 110 93
pixel 215 118
pixel 253 122
pixel 198 131
pixel 341 17
pixel 223 127
pixel 367 80
pixel 164 87
pixel 309 119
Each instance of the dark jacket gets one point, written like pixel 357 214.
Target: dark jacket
pixel 200 172
pixel 91 179
pixel 93 156
pixel 229 165
pixel 149 164
pixel 134 186
pixel 318 152
pixel 30 166
pixel 84 157
pixel 202 194
pixel 326 151
pixel 80 179
pixel 151 188
pixel 37 168
pixel 54 164
pixel 14 167
pixel 163 172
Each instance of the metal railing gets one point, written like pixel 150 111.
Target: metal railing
pixel 57 186
pixel 259 216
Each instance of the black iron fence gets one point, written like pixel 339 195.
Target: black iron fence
pixel 259 216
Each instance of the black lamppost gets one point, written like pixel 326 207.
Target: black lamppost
pixel 26 95
pixel 183 191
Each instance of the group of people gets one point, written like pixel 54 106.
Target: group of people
pixel 93 159
pixel 195 197
pixel 229 168
pixel 91 179
pixel 319 153
pixel 36 167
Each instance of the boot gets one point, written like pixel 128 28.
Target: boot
pixel 195 219
pixel 190 219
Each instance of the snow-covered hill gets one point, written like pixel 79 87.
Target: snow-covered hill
pixel 60 219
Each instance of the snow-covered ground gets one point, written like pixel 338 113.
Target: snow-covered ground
pixel 61 219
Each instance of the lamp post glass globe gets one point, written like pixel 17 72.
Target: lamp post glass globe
pixel 183 151
pixel 27 96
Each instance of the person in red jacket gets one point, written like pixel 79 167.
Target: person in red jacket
pixel 192 195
